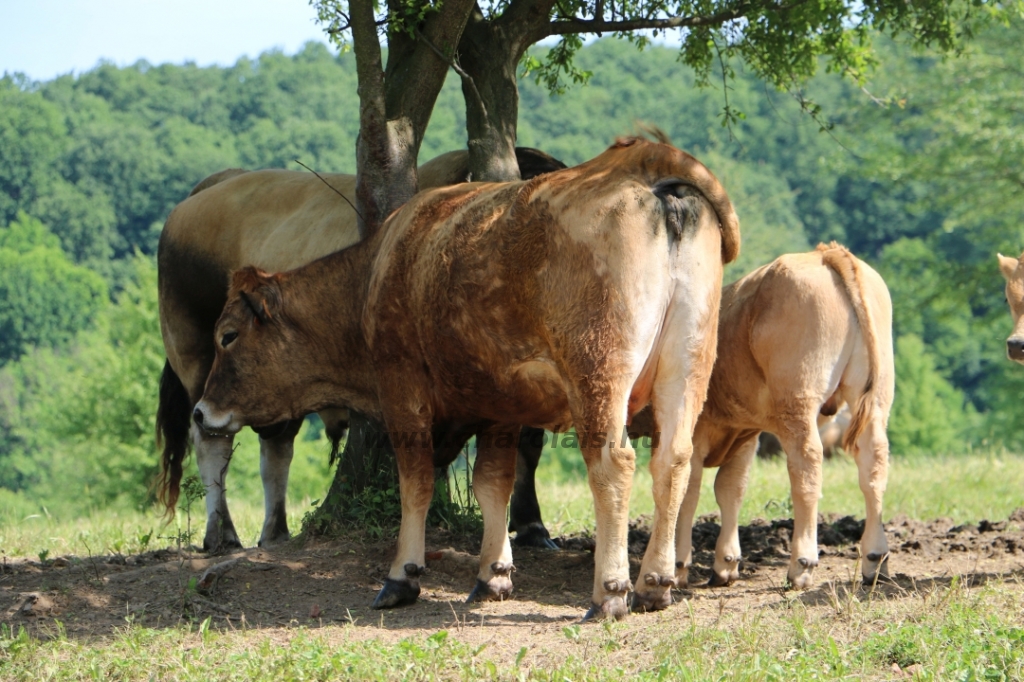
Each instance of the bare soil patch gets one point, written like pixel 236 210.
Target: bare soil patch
pixel 315 583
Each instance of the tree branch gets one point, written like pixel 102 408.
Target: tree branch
pixel 572 25
pixel 467 80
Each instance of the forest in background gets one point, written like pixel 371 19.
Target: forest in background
pixel 918 173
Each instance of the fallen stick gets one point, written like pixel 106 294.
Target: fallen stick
pixel 214 573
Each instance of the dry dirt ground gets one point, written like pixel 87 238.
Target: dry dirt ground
pixel 319 583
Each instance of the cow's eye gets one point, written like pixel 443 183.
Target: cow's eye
pixel 226 340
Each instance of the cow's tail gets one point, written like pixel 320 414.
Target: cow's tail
pixel 173 421
pixel 846 265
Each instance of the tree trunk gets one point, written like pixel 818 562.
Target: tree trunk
pixel 492 101
pixel 366 464
pixel 395 103
pixel 489 54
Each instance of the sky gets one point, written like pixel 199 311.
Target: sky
pixel 47 38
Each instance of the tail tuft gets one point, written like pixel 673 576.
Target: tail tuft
pixel 173 421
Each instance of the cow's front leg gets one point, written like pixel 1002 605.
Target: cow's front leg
pixel 277 446
pixel 611 462
pixel 414 452
pixel 213 455
pixel 802 444
pixel 493 476
pixel 730 485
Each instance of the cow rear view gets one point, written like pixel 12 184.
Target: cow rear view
pixel 575 298
pixel 798 338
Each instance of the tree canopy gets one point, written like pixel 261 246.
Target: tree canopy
pixel 781 43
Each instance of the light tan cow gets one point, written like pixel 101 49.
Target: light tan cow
pixel 575 298
pixel 1013 273
pixel 797 338
pixel 275 220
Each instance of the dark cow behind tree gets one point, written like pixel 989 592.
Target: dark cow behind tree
pixel 575 298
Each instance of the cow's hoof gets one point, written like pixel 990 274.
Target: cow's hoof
pixel 655 594
pixel 613 607
pixel 534 535
pixel 719 579
pixel 615 603
pixel 224 545
pixel 682 575
pixel 397 593
pixel 723 577
pixel 277 539
pixel 801 576
pixel 875 568
pixel 657 600
pixel 498 588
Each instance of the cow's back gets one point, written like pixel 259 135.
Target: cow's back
pixel 785 329
pixel 498 287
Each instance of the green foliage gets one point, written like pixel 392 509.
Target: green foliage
pixel 924 185
pixel 782 45
pixel 84 419
pixel 928 415
pixel 44 298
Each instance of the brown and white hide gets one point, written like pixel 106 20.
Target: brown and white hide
pixel 575 298
pixel 275 220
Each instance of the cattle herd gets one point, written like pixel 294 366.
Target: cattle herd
pixel 587 297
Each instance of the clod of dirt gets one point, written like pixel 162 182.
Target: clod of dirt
pixel 36 605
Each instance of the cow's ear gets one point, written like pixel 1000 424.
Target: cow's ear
pixel 257 307
pixel 1007 266
pixel 259 291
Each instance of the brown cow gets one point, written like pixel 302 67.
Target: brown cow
pixel 574 298
pixel 1013 273
pixel 275 220
pixel 796 339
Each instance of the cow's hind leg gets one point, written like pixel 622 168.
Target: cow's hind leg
pixel 671 470
pixel 277 446
pixel 802 444
pixel 213 455
pixel 872 455
pixel 524 514
pixel 730 485
pixel 413 443
pixel 684 525
pixel 611 461
pixel 493 476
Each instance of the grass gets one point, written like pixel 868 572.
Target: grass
pixel 966 488
pixel 66 526
pixel 962 487
pixel 948 631
pixel 952 632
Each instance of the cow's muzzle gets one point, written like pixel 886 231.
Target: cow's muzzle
pixel 1015 348
pixel 216 424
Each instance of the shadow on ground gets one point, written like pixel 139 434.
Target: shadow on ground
pixel 312 583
